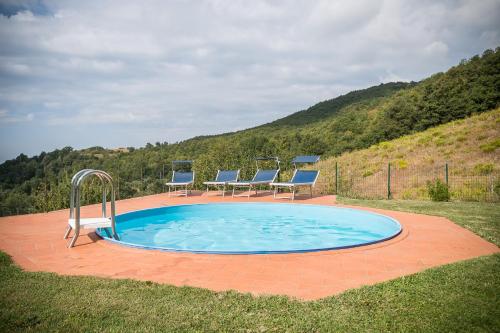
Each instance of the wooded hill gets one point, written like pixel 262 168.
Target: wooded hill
pixel 353 121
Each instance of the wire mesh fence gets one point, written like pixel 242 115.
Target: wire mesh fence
pixel 392 181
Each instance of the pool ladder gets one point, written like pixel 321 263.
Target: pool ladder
pixel 75 222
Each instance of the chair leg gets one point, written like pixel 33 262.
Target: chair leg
pixel 75 237
pixel 233 192
pixel 274 194
pixel 293 194
pixel 68 230
pixel 223 191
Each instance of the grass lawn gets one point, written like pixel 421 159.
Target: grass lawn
pixel 481 218
pixel 464 296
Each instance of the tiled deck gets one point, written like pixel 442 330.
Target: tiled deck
pixel 35 242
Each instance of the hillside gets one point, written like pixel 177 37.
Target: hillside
pixel 326 109
pixel 470 146
pixel 354 121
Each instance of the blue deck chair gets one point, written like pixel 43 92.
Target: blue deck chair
pixel 180 179
pixel 261 177
pixel 304 178
pixel 300 178
pixel 222 179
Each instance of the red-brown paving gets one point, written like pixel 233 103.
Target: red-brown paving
pixel 36 243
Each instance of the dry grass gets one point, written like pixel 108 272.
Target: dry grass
pixel 470 147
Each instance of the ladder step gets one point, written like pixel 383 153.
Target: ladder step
pixel 92 223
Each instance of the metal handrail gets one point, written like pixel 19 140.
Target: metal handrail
pixel 72 195
pixel 74 212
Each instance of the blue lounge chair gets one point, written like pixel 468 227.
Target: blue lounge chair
pixel 261 177
pixel 222 179
pixel 180 179
pixel 304 178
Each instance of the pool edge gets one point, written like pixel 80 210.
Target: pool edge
pixel 163 249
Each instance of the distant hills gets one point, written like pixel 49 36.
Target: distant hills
pixel 347 123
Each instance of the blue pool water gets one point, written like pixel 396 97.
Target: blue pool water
pixel 249 228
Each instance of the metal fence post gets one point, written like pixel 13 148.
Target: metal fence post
pixel 118 185
pixel 388 181
pixel 46 197
pixel 162 179
pixel 446 173
pixel 336 178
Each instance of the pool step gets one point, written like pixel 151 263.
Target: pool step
pixel 92 223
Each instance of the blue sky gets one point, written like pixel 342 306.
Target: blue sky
pixel 124 73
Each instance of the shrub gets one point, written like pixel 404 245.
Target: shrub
pixel 491 146
pixel 402 164
pixel 438 191
pixel 385 145
pixel 496 187
pixel 440 142
pixel 415 193
pixel 425 139
pixel 367 173
pixel 484 168
pixel 471 190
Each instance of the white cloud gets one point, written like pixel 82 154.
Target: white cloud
pixel 24 16
pixel 92 65
pixel 16 68
pixel 52 104
pixel 335 17
pixel 436 49
pixel 7 117
pixel 86 117
pixel 391 77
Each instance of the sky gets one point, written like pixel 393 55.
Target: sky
pixel 123 73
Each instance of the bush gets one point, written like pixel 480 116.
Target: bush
pixel 484 168
pixel 496 187
pixel 438 191
pixel 490 146
pixel 402 164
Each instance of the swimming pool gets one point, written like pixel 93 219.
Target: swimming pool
pixel 251 228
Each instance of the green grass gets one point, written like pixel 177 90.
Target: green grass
pixel 479 217
pixel 458 297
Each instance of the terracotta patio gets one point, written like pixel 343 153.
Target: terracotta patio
pixel 35 243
